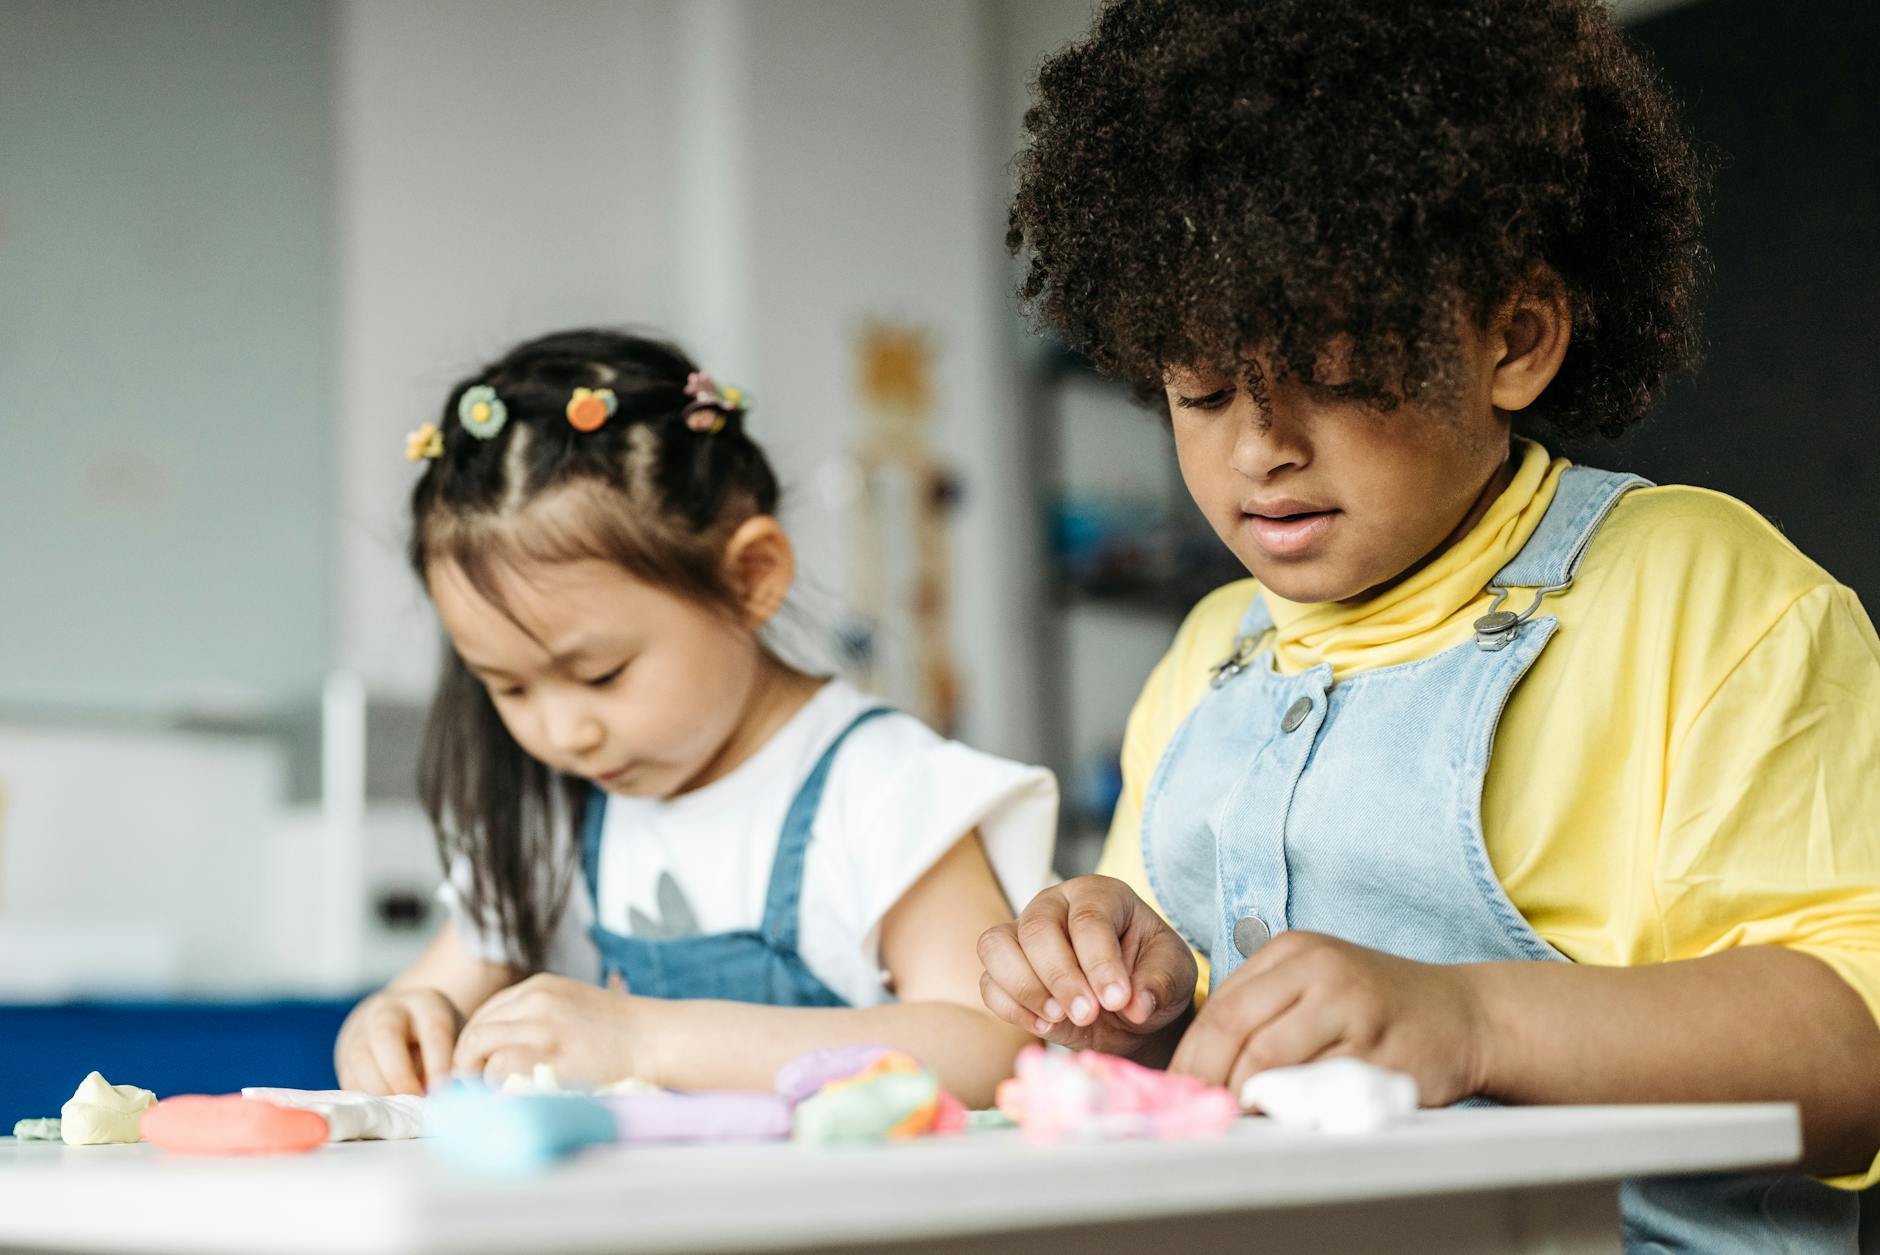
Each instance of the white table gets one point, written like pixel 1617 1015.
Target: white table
pixel 1500 1180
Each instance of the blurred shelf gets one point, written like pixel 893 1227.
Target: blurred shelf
pixel 1165 600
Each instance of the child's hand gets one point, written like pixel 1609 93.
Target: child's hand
pixel 1087 965
pixel 593 1036
pixel 1306 996
pixel 398 1041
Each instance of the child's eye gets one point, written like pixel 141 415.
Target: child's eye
pixel 1212 401
pixel 506 690
pixel 602 681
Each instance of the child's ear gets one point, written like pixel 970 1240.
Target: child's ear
pixel 1529 338
pixel 760 564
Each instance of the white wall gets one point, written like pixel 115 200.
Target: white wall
pixel 165 307
pixel 503 170
pixel 873 158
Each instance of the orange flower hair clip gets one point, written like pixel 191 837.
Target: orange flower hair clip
pixel 589 408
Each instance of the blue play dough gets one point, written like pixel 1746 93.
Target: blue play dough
pixel 476 1128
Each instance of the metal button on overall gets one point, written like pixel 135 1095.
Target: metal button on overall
pixel 1250 934
pixel 1295 714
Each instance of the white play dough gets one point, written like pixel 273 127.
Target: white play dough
pixel 100 1113
pixel 541 1081
pixel 350 1116
pixel 545 1080
pixel 1332 1096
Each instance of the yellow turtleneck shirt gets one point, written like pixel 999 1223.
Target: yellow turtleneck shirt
pixel 1693 763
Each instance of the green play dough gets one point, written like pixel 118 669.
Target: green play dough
pixel 864 1112
pixel 46 1130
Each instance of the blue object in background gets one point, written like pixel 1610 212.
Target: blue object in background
pixel 169 1047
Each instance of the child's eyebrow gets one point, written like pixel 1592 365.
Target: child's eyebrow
pixel 583 647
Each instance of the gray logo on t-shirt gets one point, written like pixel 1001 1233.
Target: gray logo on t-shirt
pixel 675 917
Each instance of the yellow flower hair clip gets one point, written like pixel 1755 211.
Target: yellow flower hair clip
pixel 588 408
pixel 425 443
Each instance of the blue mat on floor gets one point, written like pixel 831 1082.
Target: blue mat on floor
pixel 169 1047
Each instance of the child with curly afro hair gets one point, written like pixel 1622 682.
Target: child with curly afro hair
pixel 1536 782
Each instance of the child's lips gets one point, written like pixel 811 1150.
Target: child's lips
pixel 1291 535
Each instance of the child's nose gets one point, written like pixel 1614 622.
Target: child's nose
pixel 1265 439
pixel 572 727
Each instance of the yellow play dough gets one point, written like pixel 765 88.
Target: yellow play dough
pixel 100 1113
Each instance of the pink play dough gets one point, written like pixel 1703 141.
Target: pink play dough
pixel 195 1124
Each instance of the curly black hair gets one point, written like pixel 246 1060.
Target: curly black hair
pixel 1207 182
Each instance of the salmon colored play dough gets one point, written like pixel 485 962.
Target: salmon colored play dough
pixel 195 1124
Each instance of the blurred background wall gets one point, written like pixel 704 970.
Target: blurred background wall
pixel 245 245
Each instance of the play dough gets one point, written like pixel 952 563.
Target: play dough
pixel 100 1113
pixel 866 1094
pixel 195 1124
pixel 480 1129
pixel 352 1117
pixel 37 1130
pixel 1333 1096
pixel 1056 1095
pixel 724 1116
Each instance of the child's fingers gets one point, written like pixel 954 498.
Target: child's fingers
pixel 435 1026
pixel 512 1061
pixel 1163 975
pixel 390 1045
pixel 1096 940
pixel 356 1069
pixel 1301 1034
pixel 1005 963
pixel 1007 1008
pixel 1242 1008
pixel 1044 935
pixel 483 1041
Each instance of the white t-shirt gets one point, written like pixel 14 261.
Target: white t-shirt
pixel 898 796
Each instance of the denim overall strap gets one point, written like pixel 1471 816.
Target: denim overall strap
pixel 1582 500
pixel 593 824
pixel 782 902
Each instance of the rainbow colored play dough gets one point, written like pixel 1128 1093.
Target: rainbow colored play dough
pixel 866 1094
pixel 1057 1095
pixel 196 1124
pixel 102 1114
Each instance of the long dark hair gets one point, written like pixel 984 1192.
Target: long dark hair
pixel 645 492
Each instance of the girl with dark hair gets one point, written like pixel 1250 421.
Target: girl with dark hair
pixel 1538 783
pixel 672 855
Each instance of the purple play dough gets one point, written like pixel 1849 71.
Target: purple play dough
pixel 805 1075
pixel 712 1116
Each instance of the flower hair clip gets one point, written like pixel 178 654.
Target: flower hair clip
pixel 589 408
pixel 424 444
pixel 711 406
pixel 481 412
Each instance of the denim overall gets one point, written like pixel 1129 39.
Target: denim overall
pixel 1355 809
pixel 751 965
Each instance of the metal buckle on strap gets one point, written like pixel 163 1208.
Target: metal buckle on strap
pixel 1236 662
pixel 1498 628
